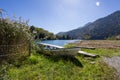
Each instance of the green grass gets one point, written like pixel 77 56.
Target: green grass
pixel 41 67
pixel 104 52
pixel 69 45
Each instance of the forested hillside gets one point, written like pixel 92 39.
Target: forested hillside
pixel 103 28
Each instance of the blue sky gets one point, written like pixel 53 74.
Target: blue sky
pixel 60 15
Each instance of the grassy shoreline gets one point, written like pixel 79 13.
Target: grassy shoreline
pixel 106 44
pixel 47 69
pixel 41 67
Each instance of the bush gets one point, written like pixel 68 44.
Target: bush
pixel 13 33
pixel 14 39
pixel 32 59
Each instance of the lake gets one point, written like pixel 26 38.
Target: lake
pixel 58 42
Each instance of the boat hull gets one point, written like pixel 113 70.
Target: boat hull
pixel 62 52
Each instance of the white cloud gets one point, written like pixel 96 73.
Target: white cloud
pixel 97 3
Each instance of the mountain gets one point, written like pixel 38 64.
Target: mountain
pixel 102 28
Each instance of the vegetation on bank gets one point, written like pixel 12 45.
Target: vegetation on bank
pixel 15 38
pixel 106 44
pixel 44 67
pixel 104 52
pixel 41 34
pixel 63 37
pixel 40 66
pixel 70 45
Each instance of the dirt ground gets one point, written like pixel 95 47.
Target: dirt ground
pixel 99 43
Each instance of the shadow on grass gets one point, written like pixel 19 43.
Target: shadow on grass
pixel 64 58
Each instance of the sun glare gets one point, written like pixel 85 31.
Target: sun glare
pixel 97 3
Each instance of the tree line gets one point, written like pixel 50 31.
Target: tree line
pixel 41 34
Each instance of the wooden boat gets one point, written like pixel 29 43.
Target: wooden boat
pixel 54 50
pixel 57 50
pixel 65 51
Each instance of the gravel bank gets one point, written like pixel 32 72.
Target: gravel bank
pixel 113 62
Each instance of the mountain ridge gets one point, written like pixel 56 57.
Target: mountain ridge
pixel 102 28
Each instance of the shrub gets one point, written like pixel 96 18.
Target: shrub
pixel 14 39
pixel 32 59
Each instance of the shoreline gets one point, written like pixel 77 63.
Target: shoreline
pixel 107 44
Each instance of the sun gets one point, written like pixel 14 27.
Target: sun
pixel 97 3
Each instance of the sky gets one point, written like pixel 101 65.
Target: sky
pixel 60 15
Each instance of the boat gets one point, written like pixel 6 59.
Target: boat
pixel 65 51
pixel 57 50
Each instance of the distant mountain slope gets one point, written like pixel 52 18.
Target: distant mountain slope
pixel 102 28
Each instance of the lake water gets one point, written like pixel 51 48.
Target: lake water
pixel 58 42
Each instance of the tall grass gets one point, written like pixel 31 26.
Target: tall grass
pixel 14 39
pixel 40 67
pixel 104 52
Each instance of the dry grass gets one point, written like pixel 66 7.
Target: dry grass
pixel 108 44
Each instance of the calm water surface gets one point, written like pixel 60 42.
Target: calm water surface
pixel 58 42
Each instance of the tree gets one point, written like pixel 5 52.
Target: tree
pixel 32 28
